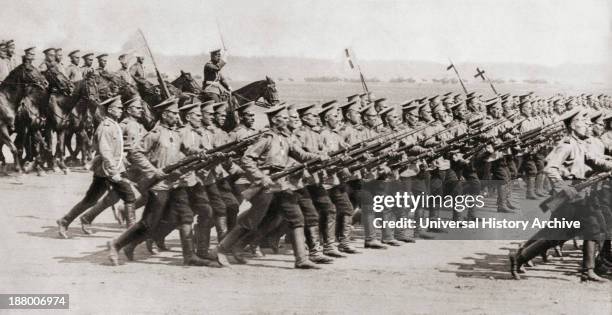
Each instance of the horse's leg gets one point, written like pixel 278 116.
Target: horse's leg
pixel 84 146
pixel 5 139
pixel 60 152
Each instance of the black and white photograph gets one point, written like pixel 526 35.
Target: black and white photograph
pixel 306 157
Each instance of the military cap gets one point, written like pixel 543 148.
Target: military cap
pixel 606 117
pixel 422 99
pixel 122 56
pixel 350 106
pixel 190 108
pixel 434 98
pixel 596 117
pixel 412 108
pixel 10 42
pixel 170 105
pixel 133 101
pixel 74 53
pixel 385 112
pixel 352 97
pixel 523 103
pixel 101 56
pixel 437 107
pixel 112 102
pixel 30 51
pixel 368 110
pixel 505 96
pixel 455 106
pixel 215 51
pixel 275 111
pixel 309 109
pixel 570 115
pixel 470 94
pixel 330 103
pixel 2 44
pixel 327 110
pixel 382 99
pixel 447 94
pixel 87 55
pixel 48 50
pixel 408 102
pixel 206 107
pixel 244 108
pixel 220 107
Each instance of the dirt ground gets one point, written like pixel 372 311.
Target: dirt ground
pixel 423 278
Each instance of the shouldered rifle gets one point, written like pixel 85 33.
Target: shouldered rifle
pixel 555 201
pixel 238 144
pixel 255 189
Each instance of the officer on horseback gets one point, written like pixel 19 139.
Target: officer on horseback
pixel 215 86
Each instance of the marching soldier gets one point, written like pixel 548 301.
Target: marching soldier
pixel 108 166
pixel 215 85
pixel 133 131
pixel 268 155
pixel 73 72
pixel 571 159
pixel 159 148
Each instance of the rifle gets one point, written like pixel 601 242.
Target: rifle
pixel 555 201
pixel 238 144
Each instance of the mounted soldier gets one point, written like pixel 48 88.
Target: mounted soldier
pixel 215 86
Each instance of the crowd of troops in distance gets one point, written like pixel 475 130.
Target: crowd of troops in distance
pixel 311 172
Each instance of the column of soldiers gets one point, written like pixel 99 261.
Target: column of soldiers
pixel 298 176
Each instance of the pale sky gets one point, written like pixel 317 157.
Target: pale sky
pixel 548 32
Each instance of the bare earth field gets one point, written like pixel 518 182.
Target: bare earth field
pixel 426 277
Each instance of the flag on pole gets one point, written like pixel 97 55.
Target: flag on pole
pixel 348 58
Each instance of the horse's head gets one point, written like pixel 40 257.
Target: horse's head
pixel 186 83
pixel 59 82
pixel 32 77
pixel 270 93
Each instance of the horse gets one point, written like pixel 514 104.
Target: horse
pixel 30 124
pixel 62 98
pixel 24 79
pixel 251 92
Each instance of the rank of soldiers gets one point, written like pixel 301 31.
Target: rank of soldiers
pixel 311 173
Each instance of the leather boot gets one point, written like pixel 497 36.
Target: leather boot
pixel 328 230
pixel 64 222
pixel 502 199
pixel 221 227
pixel 164 228
pixel 314 246
pixel 588 262
pixel 130 214
pixel 539 185
pixel 344 235
pixel 526 254
pixel 388 233
pixel 530 194
pixel 189 256
pixel 202 241
pixel 434 214
pixel 509 196
pixel 228 245
pixel 418 231
pixel 90 215
pixel 299 250
pixel 401 234
pixel 133 235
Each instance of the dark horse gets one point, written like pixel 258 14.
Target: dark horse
pixel 251 92
pixel 186 84
pixel 20 82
